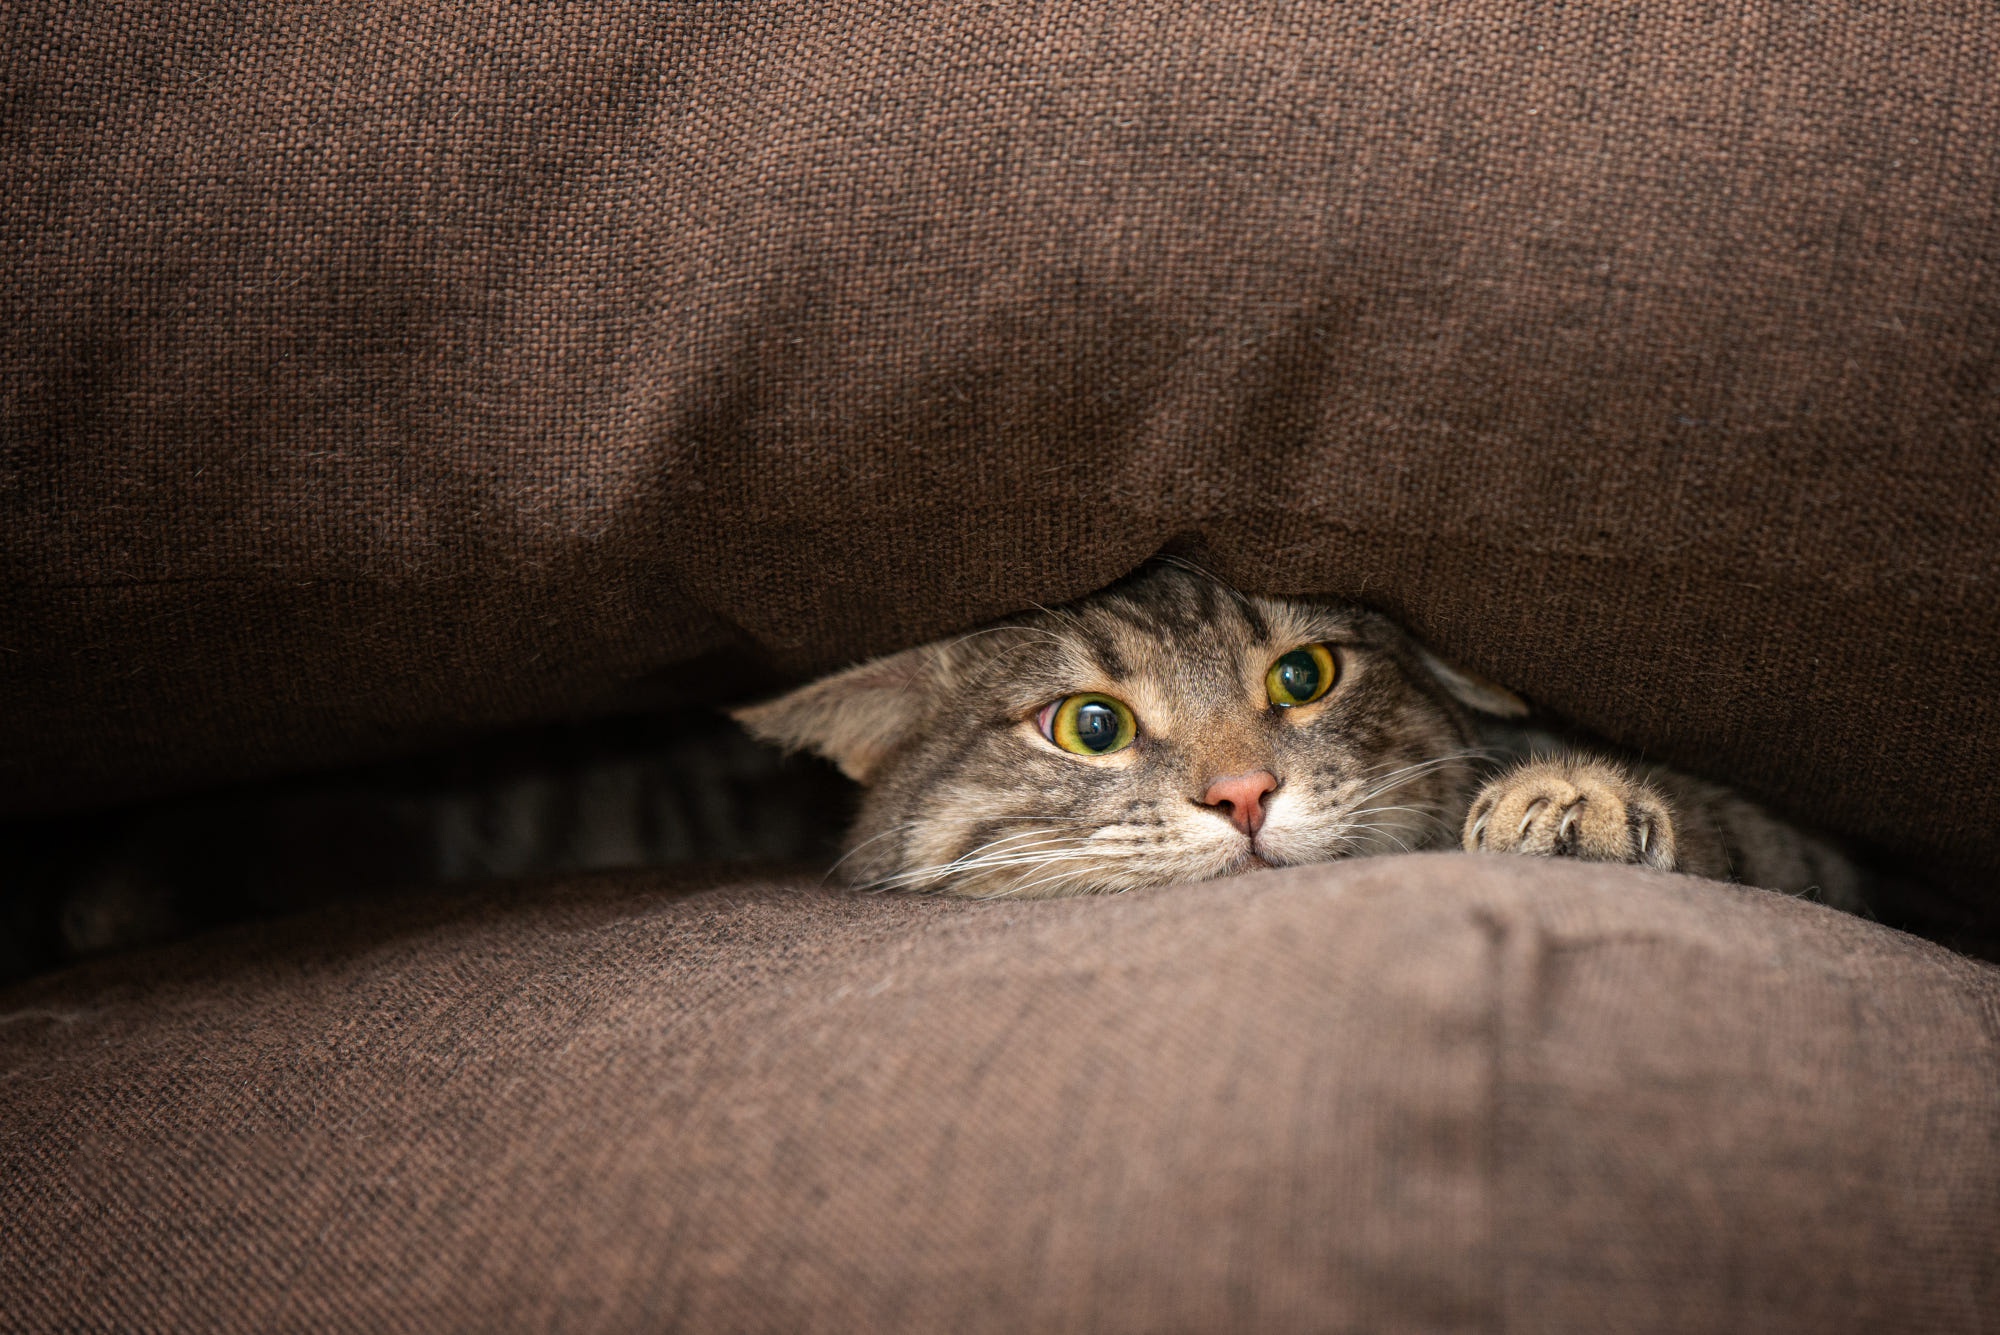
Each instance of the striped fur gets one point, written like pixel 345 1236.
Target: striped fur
pixel 965 795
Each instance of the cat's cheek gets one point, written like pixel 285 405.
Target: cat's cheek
pixel 1287 836
pixel 1209 847
pixel 1296 838
pixel 1283 845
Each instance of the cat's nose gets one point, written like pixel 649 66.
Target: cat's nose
pixel 1241 798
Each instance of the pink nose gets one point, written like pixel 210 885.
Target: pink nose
pixel 1241 798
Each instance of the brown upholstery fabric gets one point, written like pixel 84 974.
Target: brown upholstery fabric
pixel 379 372
pixel 1432 1093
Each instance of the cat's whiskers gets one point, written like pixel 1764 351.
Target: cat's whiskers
pixel 979 860
pixel 1019 849
pixel 1424 814
pixel 1039 857
pixel 928 821
pixel 1426 819
pixel 1428 816
pixel 1353 840
pixel 1387 782
pixel 1019 887
pixel 1383 832
pixel 1023 884
pixel 1110 879
pixel 923 877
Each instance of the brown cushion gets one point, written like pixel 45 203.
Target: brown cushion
pixel 1427 1093
pixel 377 373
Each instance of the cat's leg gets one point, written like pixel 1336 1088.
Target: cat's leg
pixel 1570 805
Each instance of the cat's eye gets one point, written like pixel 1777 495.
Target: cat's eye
pixel 1301 676
pixel 1088 725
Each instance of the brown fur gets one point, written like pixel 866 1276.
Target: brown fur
pixel 966 796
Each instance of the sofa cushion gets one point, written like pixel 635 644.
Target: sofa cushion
pixel 380 373
pixel 1422 1093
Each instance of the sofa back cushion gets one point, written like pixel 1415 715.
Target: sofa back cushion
pixel 379 374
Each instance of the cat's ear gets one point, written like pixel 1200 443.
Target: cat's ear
pixel 1472 690
pixel 854 718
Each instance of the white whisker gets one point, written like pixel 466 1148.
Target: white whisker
pixel 962 820
pixel 981 860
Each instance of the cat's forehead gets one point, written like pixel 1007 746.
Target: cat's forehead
pixel 1195 620
pixel 1178 635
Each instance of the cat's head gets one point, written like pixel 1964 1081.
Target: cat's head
pixel 1167 729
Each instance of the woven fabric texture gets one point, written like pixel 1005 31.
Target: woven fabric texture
pixel 1426 1093
pixel 377 373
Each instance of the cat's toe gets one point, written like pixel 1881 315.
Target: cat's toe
pixel 1578 809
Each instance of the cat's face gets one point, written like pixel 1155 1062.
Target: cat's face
pixel 1166 730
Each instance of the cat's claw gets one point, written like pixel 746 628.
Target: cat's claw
pixel 1564 807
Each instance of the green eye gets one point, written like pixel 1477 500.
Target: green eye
pixel 1301 676
pixel 1088 725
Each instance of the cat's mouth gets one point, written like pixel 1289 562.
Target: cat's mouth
pixel 1251 861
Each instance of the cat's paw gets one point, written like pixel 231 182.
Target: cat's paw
pixel 1562 807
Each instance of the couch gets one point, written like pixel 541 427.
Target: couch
pixel 382 376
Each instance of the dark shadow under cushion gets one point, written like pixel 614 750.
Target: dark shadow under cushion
pixel 1429 1093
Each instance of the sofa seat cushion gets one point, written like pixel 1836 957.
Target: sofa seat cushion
pixel 1427 1093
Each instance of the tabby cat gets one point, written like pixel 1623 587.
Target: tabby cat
pixel 1172 729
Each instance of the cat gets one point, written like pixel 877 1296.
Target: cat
pixel 1168 729
pixel 1172 729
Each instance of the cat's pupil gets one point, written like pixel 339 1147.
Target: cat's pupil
pixel 1097 726
pixel 1298 674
